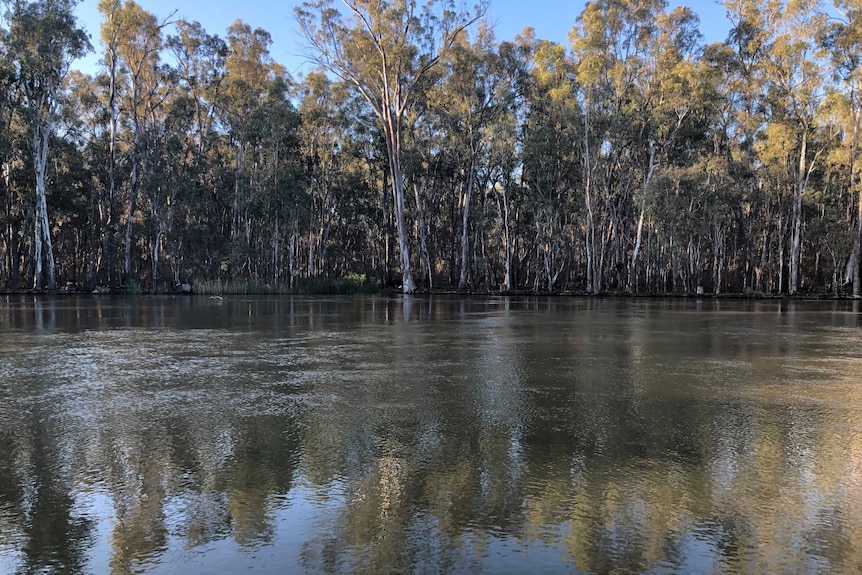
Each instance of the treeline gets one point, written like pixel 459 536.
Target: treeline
pixel 424 152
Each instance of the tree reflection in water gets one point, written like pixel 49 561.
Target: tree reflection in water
pixel 372 435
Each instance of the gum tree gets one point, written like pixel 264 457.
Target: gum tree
pixel 387 50
pixel 44 40
pixel 842 38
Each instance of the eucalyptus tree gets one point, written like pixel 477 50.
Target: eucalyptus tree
pixel 842 38
pixel 610 42
pixel 112 28
pixel 136 43
pixel 43 40
pixel 782 134
pixel 505 152
pixel 335 206
pixel 796 86
pixel 10 216
pixel 743 119
pixel 710 188
pixel 279 177
pixel 636 72
pixel 78 170
pixel 248 72
pixel 425 155
pixel 198 78
pixel 550 157
pixel 471 95
pixel 16 185
pixel 325 123
pixel 673 104
pixel 387 50
pixel 200 69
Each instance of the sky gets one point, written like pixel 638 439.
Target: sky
pixel 551 19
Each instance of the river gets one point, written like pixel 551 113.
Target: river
pixel 429 435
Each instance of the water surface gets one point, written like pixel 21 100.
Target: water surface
pixel 416 435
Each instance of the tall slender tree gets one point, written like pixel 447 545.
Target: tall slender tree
pixel 139 42
pixel 842 38
pixel 44 40
pixel 387 50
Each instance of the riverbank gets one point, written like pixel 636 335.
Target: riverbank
pixel 349 286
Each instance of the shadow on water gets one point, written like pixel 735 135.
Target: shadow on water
pixel 429 435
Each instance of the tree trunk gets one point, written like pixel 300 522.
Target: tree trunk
pixel 466 198
pixel 781 254
pixel 157 249
pixel 130 214
pixel 857 251
pixel 420 212
pixel 327 212
pixel 503 206
pixel 717 260
pixel 292 251
pixel 854 179
pixel 275 239
pixel 633 276
pixel 235 211
pixel 42 228
pixel 393 149
pixel 109 238
pixel 593 274
pixel 311 250
pixel 796 244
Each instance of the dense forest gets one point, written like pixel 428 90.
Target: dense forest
pixel 423 152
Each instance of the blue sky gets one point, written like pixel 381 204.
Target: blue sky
pixel 552 20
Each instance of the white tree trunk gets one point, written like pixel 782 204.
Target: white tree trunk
pixel 130 214
pixel 157 250
pixel 796 243
pixel 857 251
pixel 854 178
pixel 41 136
pixel 275 258
pixel 633 276
pixel 507 279
pixel 466 199
pixel 593 274
pixel 393 148
pixel 109 241
pixel 235 210
pixel 420 212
